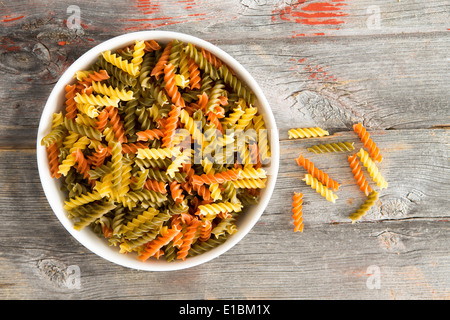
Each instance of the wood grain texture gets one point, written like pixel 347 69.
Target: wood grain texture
pixel 320 63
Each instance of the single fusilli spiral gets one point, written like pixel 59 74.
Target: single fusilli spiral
pixel 372 169
pixel 159 153
pixel 201 61
pixel 171 126
pixel 103 89
pixel 320 188
pixel 194 74
pixel 297 210
pixel 96 100
pixel 124 65
pixel 249 183
pixel 332 147
pixel 158 70
pixel 210 211
pixel 359 175
pixel 155 245
pixel 236 85
pixel 300 133
pixel 317 173
pixel 365 207
pixel 171 87
pixel 138 53
pixel 219 177
pixel 374 151
pixel 150 134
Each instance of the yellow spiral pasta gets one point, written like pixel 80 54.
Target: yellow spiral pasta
pixel 249 183
pixel 189 123
pixel 81 200
pixel 102 88
pixel 174 167
pixel 251 173
pixel 233 118
pixel 138 53
pixel 320 188
pixel 124 65
pixel 89 110
pixel 96 100
pixel 213 187
pixel 210 211
pixel 301 133
pixel 372 169
pixel 157 153
pixel 246 118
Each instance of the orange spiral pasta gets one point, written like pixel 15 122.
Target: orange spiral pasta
pixel 203 101
pixel 316 173
pixel 297 210
pixel 150 134
pixel 133 147
pixel 99 156
pixel 170 127
pixel 102 120
pixel 95 76
pixel 154 185
pixel 171 86
pixel 155 245
pixel 188 238
pixel 71 106
pixel 215 62
pixel 214 119
pixel 205 230
pixel 117 124
pixel 82 164
pixel 359 175
pixel 194 74
pixel 220 177
pixel 176 191
pixel 202 190
pixel 374 151
pixel 151 45
pixel 53 160
pixel 158 69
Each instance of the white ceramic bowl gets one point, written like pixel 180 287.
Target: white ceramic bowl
pixel 52 186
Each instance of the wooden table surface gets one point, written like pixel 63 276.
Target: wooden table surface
pixel 320 63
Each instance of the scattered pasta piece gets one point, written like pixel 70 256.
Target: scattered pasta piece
pixel 320 188
pixel 374 151
pixel 297 210
pixel 332 147
pixel 364 208
pixel 301 133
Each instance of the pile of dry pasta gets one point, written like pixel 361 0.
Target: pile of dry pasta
pixel 325 185
pixel 125 143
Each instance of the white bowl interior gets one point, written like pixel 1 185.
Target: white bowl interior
pixel 52 186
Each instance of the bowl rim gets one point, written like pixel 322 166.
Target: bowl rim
pixel 50 185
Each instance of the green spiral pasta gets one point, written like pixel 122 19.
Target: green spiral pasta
pixel 365 207
pixel 332 147
pixel 237 86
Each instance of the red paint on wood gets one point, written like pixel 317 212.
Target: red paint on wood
pixel 11 19
pixel 152 11
pixel 316 13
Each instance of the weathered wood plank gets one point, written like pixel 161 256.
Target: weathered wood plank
pixel 404 236
pixel 333 79
pixel 320 63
